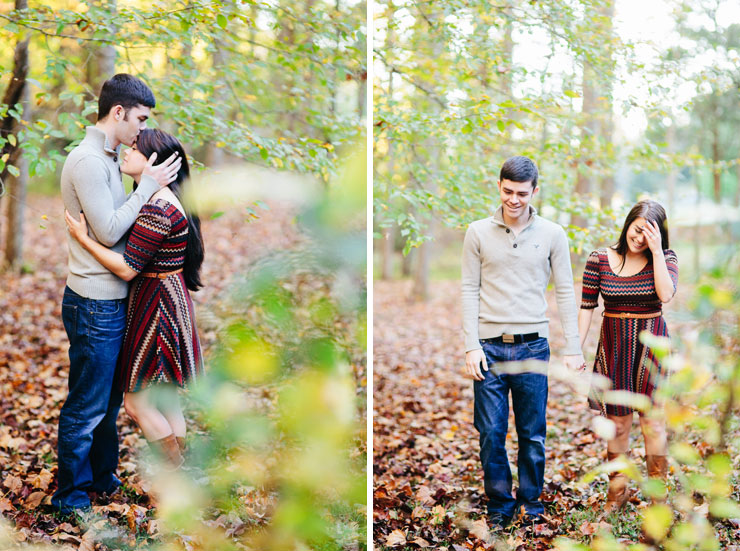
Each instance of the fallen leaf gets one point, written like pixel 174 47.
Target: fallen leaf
pixel 395 538
pixel 34 500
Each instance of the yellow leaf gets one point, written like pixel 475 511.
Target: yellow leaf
pixel 657 521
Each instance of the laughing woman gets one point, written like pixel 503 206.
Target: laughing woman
pixel 634 277
pixel 161 351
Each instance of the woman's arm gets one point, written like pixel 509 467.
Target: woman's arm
pixel 110 259
pixel 584 323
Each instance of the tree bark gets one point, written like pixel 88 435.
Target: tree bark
pixel 16 93
pixel 387 254
pixel 101 64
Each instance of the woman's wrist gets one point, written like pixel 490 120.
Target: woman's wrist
pixel 658 253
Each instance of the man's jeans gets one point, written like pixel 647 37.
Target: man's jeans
pixel 529 399
pixel 88 438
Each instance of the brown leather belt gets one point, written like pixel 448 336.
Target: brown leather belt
pixel 630 315
pixel 159 275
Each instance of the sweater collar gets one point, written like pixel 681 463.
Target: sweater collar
pixel 98 138
pixel 498 216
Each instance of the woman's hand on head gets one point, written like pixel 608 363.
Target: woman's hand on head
pixel 652 236
pixel 77 228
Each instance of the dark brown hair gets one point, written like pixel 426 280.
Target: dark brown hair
pixel 152 140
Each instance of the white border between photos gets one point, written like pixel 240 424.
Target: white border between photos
pixel 369 283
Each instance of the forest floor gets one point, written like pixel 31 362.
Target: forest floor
pixel 34 369
pixel 427 484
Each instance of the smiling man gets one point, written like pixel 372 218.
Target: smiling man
pixel 93 307
pixel 507 262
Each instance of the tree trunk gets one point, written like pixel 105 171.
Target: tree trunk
pixel 101 64
pixel 387 254
pixel 716 174
pixel 673 175
pixel 407 263
pixel 420 291
pixel 214 157
pixel 16 93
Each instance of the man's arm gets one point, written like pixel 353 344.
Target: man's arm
pixel 566 299
pixel 93 191
pixel 474 357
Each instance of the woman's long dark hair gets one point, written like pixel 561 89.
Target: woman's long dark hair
pixel 152 140
pixel 651 211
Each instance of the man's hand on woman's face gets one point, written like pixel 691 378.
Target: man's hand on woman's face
pixel 164 173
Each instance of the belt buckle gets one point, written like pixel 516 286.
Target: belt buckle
pixel 508 339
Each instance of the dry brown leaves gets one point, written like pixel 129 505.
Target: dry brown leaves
pixel 427 482
pixel 34 366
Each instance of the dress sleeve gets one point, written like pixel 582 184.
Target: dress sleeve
pixel 151 227
pixel 671 262
pixel 591 282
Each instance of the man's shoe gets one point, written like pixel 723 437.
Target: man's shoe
pixel 497 521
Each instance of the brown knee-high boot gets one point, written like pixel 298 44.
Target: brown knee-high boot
pixel 657 467
pixel 168 448
pixel 618 493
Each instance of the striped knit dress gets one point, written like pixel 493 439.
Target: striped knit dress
pixel 161 342
pixel 620 355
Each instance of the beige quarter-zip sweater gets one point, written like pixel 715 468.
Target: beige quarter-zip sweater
pixel 91 183
pixel 504 278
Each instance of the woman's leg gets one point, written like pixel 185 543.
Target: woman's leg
pixel 653 430
pixel 618 495
pixel 172 411
pixel 142 409
pixel 621 441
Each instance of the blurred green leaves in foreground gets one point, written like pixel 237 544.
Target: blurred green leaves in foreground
pixel 699 401
pixel 280 462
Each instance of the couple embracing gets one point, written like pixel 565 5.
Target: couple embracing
pixel 126 307
pixel 506 266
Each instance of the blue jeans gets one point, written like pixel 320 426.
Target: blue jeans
pixel 88 439
pixel 529 400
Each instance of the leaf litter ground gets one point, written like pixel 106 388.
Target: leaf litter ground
pixel 427 483
pixel 34 367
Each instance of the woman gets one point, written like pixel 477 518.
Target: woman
pixel 163 256
pixel 634 277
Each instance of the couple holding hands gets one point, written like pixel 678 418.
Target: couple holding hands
pixel 506 265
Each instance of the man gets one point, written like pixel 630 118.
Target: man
pixel 506 265
pixel 93 308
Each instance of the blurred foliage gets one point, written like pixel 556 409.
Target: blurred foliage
pixel 279 83
pixel 700 401
pixel 279 458
pixel 453 100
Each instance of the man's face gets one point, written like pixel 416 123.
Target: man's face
pixel 128 125
pixel 515 197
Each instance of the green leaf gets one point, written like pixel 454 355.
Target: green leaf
pixel 14 170
pixel 724 508
pixel 12 140
pixel 571 94
pixel 221 20
pixel 657 521
pixel 684 453
pixel 501 125
pixel 264 153
pixel 218 214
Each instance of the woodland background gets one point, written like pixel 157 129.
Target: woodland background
pixel 269 99
pixel 615 100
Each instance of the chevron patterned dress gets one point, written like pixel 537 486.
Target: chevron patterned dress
pixel 161 342
pixel 620 355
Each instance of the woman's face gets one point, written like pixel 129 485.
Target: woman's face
pixel 635 237
pixel 133 162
